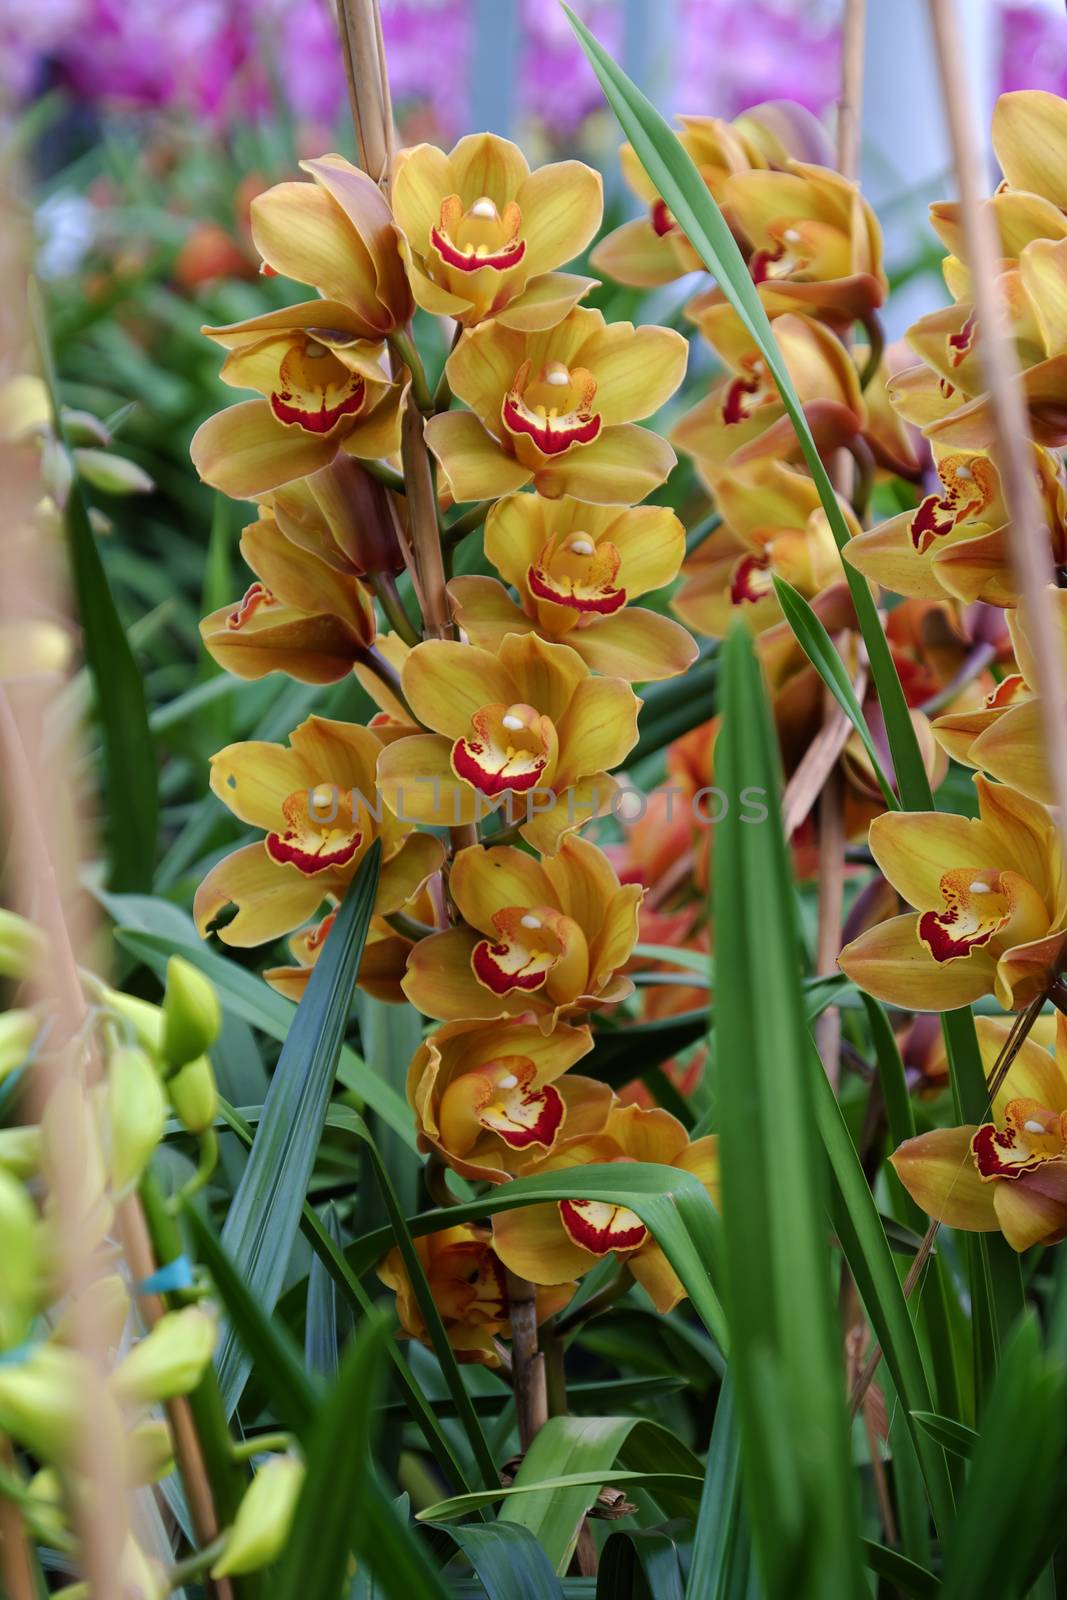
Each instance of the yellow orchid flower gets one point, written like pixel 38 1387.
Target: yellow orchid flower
pixel 317 805
pixel 653 249
pixel 557 409
pixel 324 389
pixel 576 567
pixel 381 967
pixel 990 899
pixel 1010 1173
pixel 1006 737
pixel 482 235
pixel 302 617
pixel 492 1097
pixel 337 235
pixel 553 1244
pixel 815 242
pixel 773 525
pixel 470 1289
pixel 742 418
pixel 343 516
pixel 528 721
pixel 548 937
pixel 1030 141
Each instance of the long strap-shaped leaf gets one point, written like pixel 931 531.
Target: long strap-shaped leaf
pixel 265 1214
pixel 686 195
pixel 509 1561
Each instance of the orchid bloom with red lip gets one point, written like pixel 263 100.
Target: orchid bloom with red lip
pixel 382 964
pixel 547 937
pixel 528 721
pixel 1006 737
pixel 1008 1174
pixel 557 408
pixel 653 249
pixel 325 388
pixel 303 616
pixel 315 802
pixel 576 567
pixel 773 525
pixel 991 906
pixel 491 1098
pixel 482 235
pixel 553 1244
pixel 470 1289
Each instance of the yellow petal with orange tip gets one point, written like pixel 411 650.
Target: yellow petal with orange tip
pixel 599 728
pixel 583 882
pixel 253 778
pixel 486 164
pixel 482 368
pixel 972 426
pixel 1030 140
pixel 647 1133
pixel 331 316
pixel 915 849
pixel 532 1242
pixel 440 982
pixel 545 829
pixel 485 611
pixel 1035 1073
pixel 312 649
pixel 417 783
pixel 614 943
pixel 341 753
pixel 545 673
pixel 404 873
pixel 891 962
pixel 301 233
pixel 446 682
pixel 297 578
pixel 362 202
pixel 636 255
pixel 636 370
pixel 887 555
pixel 375 435
pixel 562 205
pixel 1033 1209
pixel 623 464
pixel 1043 269
pixel 701 1158
pixel 956 732
pixel 1028 836
pixel 1026 971
pixel 545 301
pixel 485 880
pixel 422 176
pixel 271 900
pixel 245 451
pixel 938 1171
pixel 472 463
pixel 640 646
pixel 651 1269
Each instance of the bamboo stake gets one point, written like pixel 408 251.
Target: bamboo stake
pixel 1030 546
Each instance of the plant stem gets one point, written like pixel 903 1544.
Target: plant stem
pixel 197 1564
pixel 425 535
pixel 405 347
pixel 384 474
pixel 527 1362
pixel 15 1568
pixel 696 536
pixel 384 670
pixel 467 523
pixel 980 657
pixel 388 597
pixel 261 1444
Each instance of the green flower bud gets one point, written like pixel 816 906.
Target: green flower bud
pixel 149 1453
pixel 46 1516
pixel 264 1518
pixel 70 1146
pixel 18 1030
pixel 20 1152
pixel 137 1115
pixel 81 427
pixel 145 1019
pixel 191 1014
pixel 139 1577
pixel 170 1361
pixel 22 946
pixel 194 1096
pixel 18 1262
pixel 42 1401
pixel 113 474
pixel 57 472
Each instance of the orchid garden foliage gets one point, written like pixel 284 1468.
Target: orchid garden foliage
pixel 535 1049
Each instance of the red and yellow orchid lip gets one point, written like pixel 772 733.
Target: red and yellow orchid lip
pixel 662 219
pixel 979 905
pixel 1007 692
pixel 962 342
pixel 579 573
pixel 500 1097
pixel 751 581
pixel 480 236
pixel 528 949
pixel 316 391
pixel 969 486
pixel 321 832
pixel 555 410
pixel 601 1227
pixel 255 598
pixel 1031 1135
pixel 512 749
pixel 746 393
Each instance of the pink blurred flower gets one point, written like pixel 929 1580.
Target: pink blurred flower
pixel 734 56
pixel 1033 48
pixel 557 84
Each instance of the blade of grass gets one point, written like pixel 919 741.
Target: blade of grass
pixel 264 1215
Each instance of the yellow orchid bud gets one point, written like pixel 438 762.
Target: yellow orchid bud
pixel 57 473
pixel 71 1153
pixel 113 474
pixel 42 1400
pixel 139 1576
pixel 137 1114
pixel 18 1261
pixel 169 1361
pixel 22 946
pixel 18 1029
pixel 20 1151
pixel 142 1016
pixel 191 1014
pixel 46 1515
pixel 263 1519
pixel 194 1096
pixel 149 1452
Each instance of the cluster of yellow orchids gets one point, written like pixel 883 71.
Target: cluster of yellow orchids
pixel 499 724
